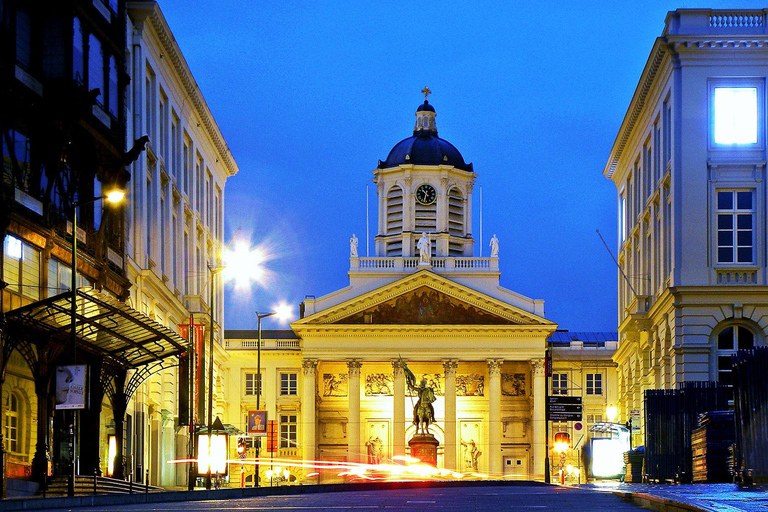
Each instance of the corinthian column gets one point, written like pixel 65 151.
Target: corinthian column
pixel 494 416
pixel 539 418
pixel 353 423
pixel 450 414
pixel 398 408
pixel 309 419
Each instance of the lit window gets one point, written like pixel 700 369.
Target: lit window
pixel 12 422
pixel 252 384
pixel 735 226
pixel 288 431
pixel 21 268
pixel 288 384
pixel 594 383
pixel 559 383
pixel 735 115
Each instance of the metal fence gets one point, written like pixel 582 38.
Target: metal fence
pixel 670 417
pixel 750 386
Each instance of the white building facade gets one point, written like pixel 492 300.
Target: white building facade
pixel 689 168
pixel 175 229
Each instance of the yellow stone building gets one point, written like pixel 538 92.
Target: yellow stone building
pixel 335 382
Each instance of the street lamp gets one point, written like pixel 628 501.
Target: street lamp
pixel 259 316
pixel 213 271
pixel 114 196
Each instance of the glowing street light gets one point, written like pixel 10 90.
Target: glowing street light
pixel 611 412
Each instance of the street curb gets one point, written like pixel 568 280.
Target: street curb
pixel 237 493
pixel 656 503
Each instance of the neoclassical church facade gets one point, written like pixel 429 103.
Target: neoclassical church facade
pixel 335 382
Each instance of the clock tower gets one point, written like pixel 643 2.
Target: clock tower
pixel 424 186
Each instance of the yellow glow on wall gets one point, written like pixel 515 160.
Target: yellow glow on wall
pixel 111 453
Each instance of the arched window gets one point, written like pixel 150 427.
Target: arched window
pixel 394 210
pixel 12 420
pixel 729 340
pixel 77 51
pixel 455 212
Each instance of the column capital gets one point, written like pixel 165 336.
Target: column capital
pixel 494 366
pixel 450 366
pixel 309 366
pixel 398 367
pixel 353 366
pixel 538 366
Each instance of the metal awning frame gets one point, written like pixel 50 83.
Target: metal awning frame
pixel 104 326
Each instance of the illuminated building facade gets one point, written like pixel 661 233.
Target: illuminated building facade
pixel 175 226
pixel 689 168
pixel 335 382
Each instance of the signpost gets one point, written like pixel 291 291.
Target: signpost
pixel 565 408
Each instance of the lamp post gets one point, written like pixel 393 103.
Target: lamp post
pixel 114 196
pixel 213 271
pixel 259 316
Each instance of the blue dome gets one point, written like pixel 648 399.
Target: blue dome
pixel 425 107
pixel 425 148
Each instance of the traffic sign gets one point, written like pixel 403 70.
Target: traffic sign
pixel 561 399
pixel 565 416
pixel 578 426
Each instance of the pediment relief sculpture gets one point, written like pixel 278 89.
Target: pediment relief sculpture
pixel 425 306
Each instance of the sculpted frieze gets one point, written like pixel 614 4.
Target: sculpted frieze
pixel 470 385
pixel 335 384
pixel 513 384
pixel 434 381
pixel 379 384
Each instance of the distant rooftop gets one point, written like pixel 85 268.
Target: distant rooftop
pixel 584 337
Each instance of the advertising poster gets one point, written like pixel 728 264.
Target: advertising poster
pixel 70 386
pixel 257 423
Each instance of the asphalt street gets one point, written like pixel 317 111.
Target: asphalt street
pixel 463 499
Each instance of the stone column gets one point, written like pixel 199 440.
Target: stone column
pixel 353 422
pixel 398 409
pixel 539 419
pixel 449 458
pixel 494 416
pixel 309 419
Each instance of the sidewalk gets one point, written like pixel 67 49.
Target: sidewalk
pixel 706 497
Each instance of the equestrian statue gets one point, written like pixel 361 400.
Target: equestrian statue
pixel 423 411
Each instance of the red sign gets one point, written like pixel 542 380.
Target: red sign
pixel 272 436
pixel 199 332
pixel 578 426
pixel 548 366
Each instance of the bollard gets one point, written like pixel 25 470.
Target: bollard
pixel 146 484
pixel 95 475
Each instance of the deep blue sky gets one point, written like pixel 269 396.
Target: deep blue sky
pixel 310 95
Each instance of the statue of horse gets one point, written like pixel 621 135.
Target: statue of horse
pixel 423 411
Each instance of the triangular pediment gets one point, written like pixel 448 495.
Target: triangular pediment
pixel 424 298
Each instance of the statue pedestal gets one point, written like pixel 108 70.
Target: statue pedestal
pixel 424 448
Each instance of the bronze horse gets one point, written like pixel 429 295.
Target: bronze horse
pixel 423 411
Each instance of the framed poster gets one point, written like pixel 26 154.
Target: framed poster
pixel 70 386
pixel 257 423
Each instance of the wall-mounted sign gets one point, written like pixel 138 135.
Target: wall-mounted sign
pixel 257 423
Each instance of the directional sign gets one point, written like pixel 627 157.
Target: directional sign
pixel 565 408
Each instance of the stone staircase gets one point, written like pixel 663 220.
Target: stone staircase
pixel 90 485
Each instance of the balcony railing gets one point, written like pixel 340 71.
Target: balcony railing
pixel 400 264
pixel 265 344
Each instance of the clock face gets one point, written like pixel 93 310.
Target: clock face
pixel 426 194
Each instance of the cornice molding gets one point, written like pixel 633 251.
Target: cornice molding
pixel 175 56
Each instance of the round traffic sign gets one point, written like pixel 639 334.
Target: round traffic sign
pixel 577 426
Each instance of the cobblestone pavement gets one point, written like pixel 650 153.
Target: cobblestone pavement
pixel 458 499
pixel 715 497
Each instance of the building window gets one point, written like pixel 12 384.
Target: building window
pixel 96 67
pixel 12 419
pixel 729 340
pixel 252 384
pixel 21 268
pixel 455 214
pixel 594 383
pixel 735 225
pixel 735 115
pixel 559 383
pixel 594 418
pixel 112 92
pixel 394 210
pixel 288 384
pixel 77 51
pixel 288 431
